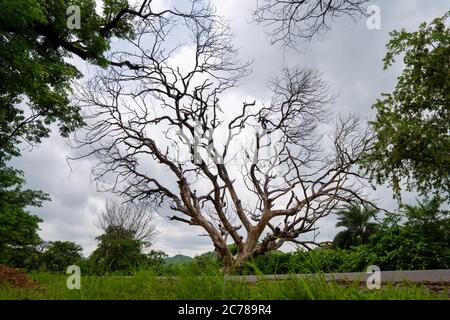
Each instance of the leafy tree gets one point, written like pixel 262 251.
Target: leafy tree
pixel 24 257
pixel 426 212
pixel 128 230
pixel 35 80
pixel 358 224
pixel 406 248
pixel 117 251
pixel 34 76
pixel 155 259
pixel 61 254
pixel 18 228
pixel 413 122
pixel 136 218
pixel 34 87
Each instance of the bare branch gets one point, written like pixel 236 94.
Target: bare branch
pixel 291 20
pixel 131 217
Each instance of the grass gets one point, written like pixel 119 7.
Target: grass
pixel 144 285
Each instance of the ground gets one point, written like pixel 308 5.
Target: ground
pixel 143 285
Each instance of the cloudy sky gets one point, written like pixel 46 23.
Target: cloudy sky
pixel 349 57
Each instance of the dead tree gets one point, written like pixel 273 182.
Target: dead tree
pixel 303 19
pixel 134 218
pixel 258 175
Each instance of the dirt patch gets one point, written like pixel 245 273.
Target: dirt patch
pixel 16 278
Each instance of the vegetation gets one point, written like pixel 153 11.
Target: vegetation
pixel 413 122
pixel 18 228
pixel 417 237
pixel 35 83
pixel 292 175
pixel 178 258
pixel 117 250
pixel 59 255
pixel 358 224
pixel 203 284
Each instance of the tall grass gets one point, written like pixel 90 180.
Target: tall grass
pixel 204 283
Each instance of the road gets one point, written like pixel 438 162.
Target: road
pixel 413 276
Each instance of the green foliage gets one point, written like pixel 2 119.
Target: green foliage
pixel 179 258
pixel 306 262
pixel 59 255
pixel 403 248
pixel 117 251
pixel 35 84
pixel 34 41
pixel 24 257
pixel 418 239
pixel 413 122
pixel 155 260
pixel 18 228
pixel 206 285
pixel 356 220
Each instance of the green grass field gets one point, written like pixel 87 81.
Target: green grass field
pixel 143 285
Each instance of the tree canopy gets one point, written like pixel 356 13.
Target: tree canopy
pixel 61 254
pixel 412 125
pixel 117 250
pixel 35 84
pixel 18 228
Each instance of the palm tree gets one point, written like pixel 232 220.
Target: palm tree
pixel 357 221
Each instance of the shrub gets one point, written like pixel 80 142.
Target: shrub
pixel 59 255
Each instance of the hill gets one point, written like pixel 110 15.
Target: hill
pixel 179 258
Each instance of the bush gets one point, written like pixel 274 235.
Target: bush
pixel 59 255
pixel 27 257
pixel 407 248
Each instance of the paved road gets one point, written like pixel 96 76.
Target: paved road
pixel 415 276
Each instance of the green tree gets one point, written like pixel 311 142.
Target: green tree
pixel 61 254
pixel 35 80
pixel 429 220
pixel 18 228
pixel 155 259
pixel 413 122
pixel 117 251
pixel 358 223
pixel 35 77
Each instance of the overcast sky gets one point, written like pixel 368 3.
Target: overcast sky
pixel 349 57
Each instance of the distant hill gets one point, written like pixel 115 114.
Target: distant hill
pixel 179 258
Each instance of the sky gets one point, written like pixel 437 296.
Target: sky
pixel 349 56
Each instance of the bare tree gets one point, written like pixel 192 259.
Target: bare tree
pixel 161 136
pixel 134 218
pixel 291 20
